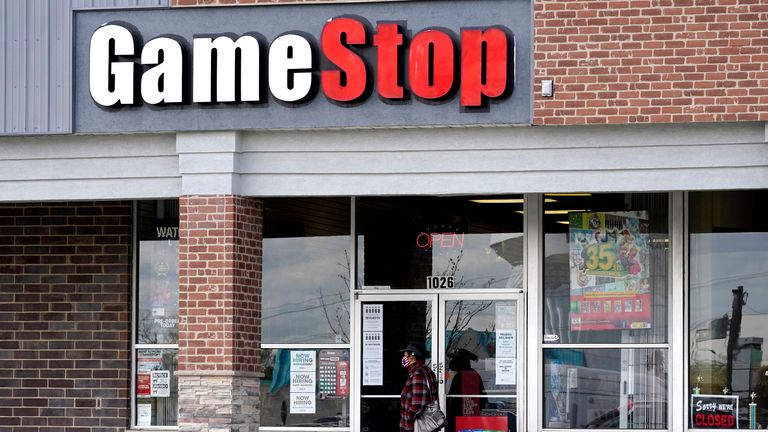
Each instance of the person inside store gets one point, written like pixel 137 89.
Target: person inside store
pixel 420 387
pixel 466 381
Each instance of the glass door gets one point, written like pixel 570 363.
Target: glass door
pixel 473 346
pixel 388 323
pixel 481 351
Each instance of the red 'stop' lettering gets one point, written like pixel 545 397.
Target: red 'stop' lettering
pixel 347 84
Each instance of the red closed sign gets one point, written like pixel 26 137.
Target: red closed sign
pixel 714 411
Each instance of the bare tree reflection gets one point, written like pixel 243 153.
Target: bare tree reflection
pixel 340 311
pixel 460 316
pixel 461 312
pixel 335 305
pixel 157 330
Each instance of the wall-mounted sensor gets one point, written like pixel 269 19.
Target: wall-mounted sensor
pixel 547 88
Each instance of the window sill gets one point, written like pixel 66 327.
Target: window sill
pixel 153 428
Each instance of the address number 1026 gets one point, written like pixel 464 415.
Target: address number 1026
pixel 439 282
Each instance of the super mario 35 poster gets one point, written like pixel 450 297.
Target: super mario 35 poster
pixel 608 257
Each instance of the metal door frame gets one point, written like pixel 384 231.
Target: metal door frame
pixel 357 349
pixel 438 298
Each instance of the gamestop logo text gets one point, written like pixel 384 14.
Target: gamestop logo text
pixel 433 65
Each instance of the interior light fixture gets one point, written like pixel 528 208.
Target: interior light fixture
pixel 557 212
pixel 499 201
pixel 563 222
pixel 506 201
pixel 561 212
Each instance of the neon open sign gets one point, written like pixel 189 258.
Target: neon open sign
pixel 442 240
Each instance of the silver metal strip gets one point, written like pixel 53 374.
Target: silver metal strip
pixel 354 407
pixel 605 430
pixel 134 288
pixel 438 328
pixel 679 243
pixel 483 396
pixel 474 293
pixel 532 367
pixel 156 346
pixel 409 295
pixel 508 295
pixel 303 346
pixel 608 346
pixel 154 428
pixel 294 429
pixel 357 366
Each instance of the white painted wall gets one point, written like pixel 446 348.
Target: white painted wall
pixel 437 161
pixel 505 160
pixel 65 167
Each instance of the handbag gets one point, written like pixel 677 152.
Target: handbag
pixel 432 418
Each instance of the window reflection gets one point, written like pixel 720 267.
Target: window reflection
pixel 305 296
pixel 404 241
pixel 605 282
pixel 480 334
pixel 157 314
pixel 481 349
pixel 305 299
pixel 306 291
pixel 158 308
pixel 728 307
pixel 157 387
pixel 624 302
pixel 330 396
pixel 605 388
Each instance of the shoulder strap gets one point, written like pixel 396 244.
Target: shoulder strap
pixel 428 378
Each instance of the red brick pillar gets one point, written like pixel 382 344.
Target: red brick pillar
pixel 220 240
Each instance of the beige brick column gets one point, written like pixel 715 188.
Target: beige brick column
pixel 220 240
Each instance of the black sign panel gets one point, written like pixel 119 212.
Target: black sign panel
pixel 267 67
pixel 714 411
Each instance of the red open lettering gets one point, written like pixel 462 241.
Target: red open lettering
pixel 442 240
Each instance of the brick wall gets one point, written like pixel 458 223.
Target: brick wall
pixel 220 239
pixel 641 61
pixel 64 316
pixel 219 283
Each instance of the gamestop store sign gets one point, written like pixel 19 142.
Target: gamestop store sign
pixel 304 66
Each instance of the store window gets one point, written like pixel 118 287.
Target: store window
pixel 728 310
pixel 157 314
pixel 306 312
pixel 440 242
pixel 605 311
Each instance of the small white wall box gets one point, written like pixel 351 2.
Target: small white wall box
pixel 547 88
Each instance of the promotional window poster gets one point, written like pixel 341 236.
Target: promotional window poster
pixel 608 260
pixel 481 424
